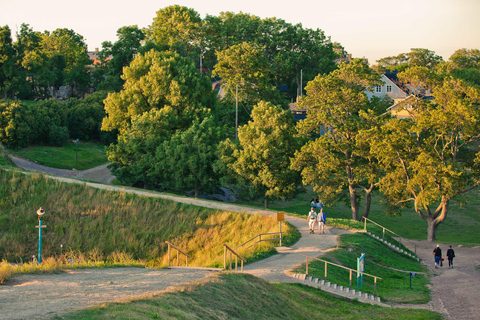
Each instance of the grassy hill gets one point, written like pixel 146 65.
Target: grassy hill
pixel 90 224
pixel 242 296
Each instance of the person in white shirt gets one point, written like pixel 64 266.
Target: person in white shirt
pixel 321 221
pixel 312 218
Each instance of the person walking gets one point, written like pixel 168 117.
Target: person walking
pixel 450 256
pixel 312 218
pixel 437 252
pixel 321 221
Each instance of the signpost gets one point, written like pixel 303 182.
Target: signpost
pixel 360 269
pixel 280 218
pixel 40 213
pixel 412 274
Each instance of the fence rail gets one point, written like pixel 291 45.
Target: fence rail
pixel 237 256
pixel 359 273
pixel 178 254
pixel 385 229
pixel 259 236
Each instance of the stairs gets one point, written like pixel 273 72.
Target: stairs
pixel 393 247
pixel 338 290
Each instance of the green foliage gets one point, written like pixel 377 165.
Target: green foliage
pixel 338 163
pixel 263 154
pixel 176 26
pixel 417 57
pixel 242 296
pixel 185 161
pixel 429 159
pixel 119 55
pixel 159 80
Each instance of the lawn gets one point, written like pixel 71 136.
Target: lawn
pixel 79 155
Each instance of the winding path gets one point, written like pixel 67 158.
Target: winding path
pixel 454 291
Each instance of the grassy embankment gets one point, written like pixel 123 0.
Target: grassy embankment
pixel 80 155
pixel 393 267
pixel 242 296
pixel 97 227
pixel 460 227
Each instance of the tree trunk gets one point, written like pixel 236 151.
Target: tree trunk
pixel 433 220
pixel 353 202
pixel 266 203
pixel 432 229
pixel 196 190
pixel 368 201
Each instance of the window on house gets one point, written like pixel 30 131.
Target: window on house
pixel 389 88
pixel 378 89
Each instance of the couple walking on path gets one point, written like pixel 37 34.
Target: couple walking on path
pixel 437 253
pixel 314 218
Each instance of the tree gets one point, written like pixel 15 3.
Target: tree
pixel 157 80
pixel 417 57
pixel 186 160
pixel 245 75
pixel 337 164
pixel 7 61
pixel 163 93
pixel 466 59
pixel 431 158
pixel 120 54
pixel 262 156
pixel 176 26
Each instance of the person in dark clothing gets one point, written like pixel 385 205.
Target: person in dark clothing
pixel 437 252
pixel 450 256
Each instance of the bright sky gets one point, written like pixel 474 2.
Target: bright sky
pixel 370 28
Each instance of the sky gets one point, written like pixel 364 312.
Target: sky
pixel 370 28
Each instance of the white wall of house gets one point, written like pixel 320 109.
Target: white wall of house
pixel 389 88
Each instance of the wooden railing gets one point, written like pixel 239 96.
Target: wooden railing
pixel 385 229
pixel 237 256
pixel 350 270
pixel 178 254
pixel 259 236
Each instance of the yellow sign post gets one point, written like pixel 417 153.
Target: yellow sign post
pixel 280 218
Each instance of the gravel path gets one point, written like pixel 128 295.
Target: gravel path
pixel 454 291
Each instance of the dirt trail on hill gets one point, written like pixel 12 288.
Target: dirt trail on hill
pixel 454 291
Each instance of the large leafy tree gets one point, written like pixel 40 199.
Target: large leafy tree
pixel 263 152
pixel 246 76
pixel 186 160
pixel 157 80
pixel 337 164
pixel 178 27
pixel 163 93
pixel 417 57
pixel 430 158
pixel 118 55
pixel 7 61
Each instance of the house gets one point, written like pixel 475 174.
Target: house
pixel 392 87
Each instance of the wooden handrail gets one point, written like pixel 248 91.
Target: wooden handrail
pixel 346 268
pixel 400 237
pixel 178 251
pixel 236 258
pixel 260 239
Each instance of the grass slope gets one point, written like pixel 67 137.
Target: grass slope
pixel 460 227
pixel 96 224
pixel 242 296
pixel 89 155
pixel 393 267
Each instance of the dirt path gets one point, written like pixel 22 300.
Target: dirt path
pixel 454 291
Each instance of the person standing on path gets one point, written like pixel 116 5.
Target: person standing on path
pixel 312 218
pixel 450 256
pixel 437 252
pixel 321 221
